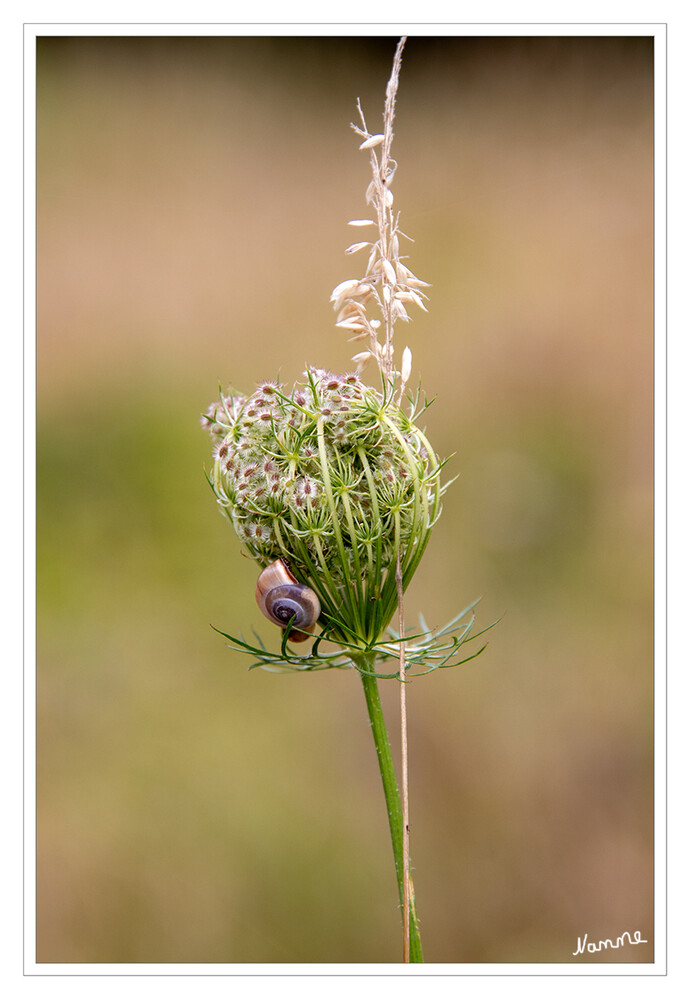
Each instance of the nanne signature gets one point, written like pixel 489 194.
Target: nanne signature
pixel 607 944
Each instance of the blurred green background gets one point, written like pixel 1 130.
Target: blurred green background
pixel 192 201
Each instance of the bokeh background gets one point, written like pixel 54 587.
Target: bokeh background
pixel 192 201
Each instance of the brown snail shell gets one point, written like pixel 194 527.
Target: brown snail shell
pixel 281 597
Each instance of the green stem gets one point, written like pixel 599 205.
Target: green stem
pixel 390 790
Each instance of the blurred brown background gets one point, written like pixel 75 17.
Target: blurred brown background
pixel 192 201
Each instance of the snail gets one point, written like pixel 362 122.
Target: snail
pixel 281 597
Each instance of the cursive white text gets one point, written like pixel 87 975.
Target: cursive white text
pixel 607 944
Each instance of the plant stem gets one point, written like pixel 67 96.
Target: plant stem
pixel 390 790
pixel 407 883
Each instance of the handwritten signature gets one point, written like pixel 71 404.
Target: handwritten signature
pixel 607 944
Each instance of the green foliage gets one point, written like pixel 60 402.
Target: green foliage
pixel 426 651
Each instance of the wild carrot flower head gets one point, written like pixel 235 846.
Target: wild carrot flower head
pixel 336 480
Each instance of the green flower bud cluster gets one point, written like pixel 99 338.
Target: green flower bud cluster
pixel 336 480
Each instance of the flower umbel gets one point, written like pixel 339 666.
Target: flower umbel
pixel 336 480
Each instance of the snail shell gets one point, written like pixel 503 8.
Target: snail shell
pixel 281 597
